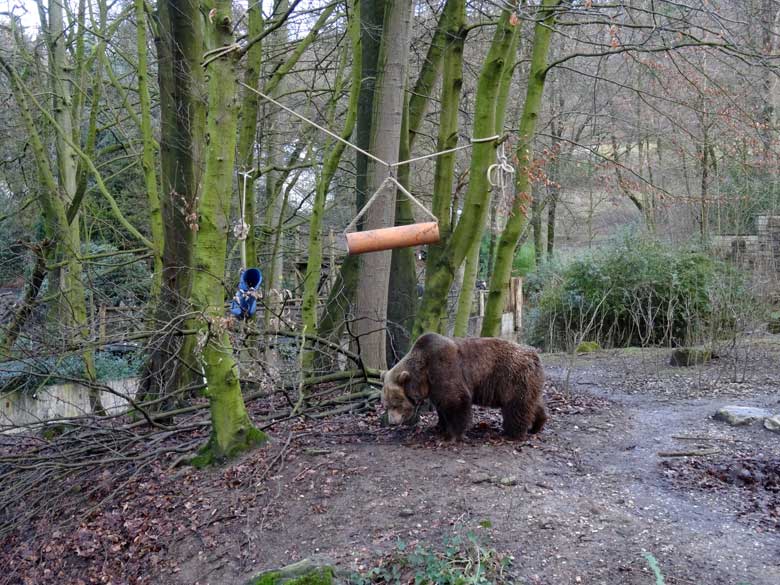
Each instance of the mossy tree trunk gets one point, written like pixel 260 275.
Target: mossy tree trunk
pixel 172 366
pixel 70 310
pixel 232 431
pixel 329 168
pixel 148 161
pixel 248 133
pixel 54 214
pixel 505 250
pixel 471 270
pixel 440 275
pixel 452 84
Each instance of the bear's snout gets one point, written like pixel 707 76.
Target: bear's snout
pixel 395 417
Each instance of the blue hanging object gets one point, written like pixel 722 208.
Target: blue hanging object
pixel 244 304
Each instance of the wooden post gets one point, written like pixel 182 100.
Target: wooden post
pixel 331 259
pixel 102 325
pixel 517 302
pixel 297 262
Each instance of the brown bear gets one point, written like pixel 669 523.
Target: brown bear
pixel 456 373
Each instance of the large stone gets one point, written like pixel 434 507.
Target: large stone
pixel 772 423
pixel 773 326
pixel 690 356
pixel 588 347
pixel 738 416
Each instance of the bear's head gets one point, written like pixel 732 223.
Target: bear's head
pixel 402 394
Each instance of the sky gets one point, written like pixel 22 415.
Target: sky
pixel 25 9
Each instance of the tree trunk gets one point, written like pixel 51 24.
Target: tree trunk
pixel 148 162
pixel 439 277
pixel 371 298
pixel 502 271
pixel 452 84
pixel 232 431
pixel 329 168
pixel 70 307
pixel 172 366
pixel 248 132
pixel 340 304
pixel 402 290
pixel 471 270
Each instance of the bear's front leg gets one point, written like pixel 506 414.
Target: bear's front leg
pixel 455 415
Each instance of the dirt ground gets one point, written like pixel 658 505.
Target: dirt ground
pixel 580 503
pixel 604 483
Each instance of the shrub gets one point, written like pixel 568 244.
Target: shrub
pixel 524 260
pixel 461 561
pixel 635 292
pixel 14 258
pixel 31 373
pixel 116 277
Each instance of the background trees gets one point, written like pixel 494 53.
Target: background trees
pixel 137 137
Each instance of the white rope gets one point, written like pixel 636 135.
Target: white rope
pixel 499 174
pixel 501 168
pixel 388 179
pixel 241 229
pixel 357 148
pixel 312 123
pixel 448 151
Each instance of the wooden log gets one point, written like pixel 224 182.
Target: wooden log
pixel 416 234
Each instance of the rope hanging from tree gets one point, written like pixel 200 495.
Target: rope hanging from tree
pixel 397 236
pixel 244 303
pixel 501 172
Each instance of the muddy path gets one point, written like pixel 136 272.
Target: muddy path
pixel 580 503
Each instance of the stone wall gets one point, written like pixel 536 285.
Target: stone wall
pixel 760 252
pixel 61 401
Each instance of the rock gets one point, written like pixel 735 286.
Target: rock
pixel 738 416
pixel 406 513
pixel 690 356
pixel 588 347
pixel 309 571
pixel 772 423
pixel 774 325
pixel 508 481
pixel 480 478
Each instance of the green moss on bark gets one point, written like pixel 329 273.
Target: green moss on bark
pixel 244 440
pixel 318 576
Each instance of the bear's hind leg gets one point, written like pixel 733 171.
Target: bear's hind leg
pixel 540 417
pixel 517 419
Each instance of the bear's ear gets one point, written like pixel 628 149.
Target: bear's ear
pixel 403 378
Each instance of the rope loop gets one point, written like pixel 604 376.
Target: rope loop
pixel 499 173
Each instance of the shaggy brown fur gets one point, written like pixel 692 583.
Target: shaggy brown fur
pixel 456 373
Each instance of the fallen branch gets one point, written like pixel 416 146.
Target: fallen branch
pixel 706 439
pixel 699 453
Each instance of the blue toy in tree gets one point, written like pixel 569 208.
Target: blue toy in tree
pixel 244 304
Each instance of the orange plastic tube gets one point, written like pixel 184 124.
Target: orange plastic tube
pixel 416 234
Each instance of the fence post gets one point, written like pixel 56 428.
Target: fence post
pixel 517 302
pixel 102 325
pixel 332 259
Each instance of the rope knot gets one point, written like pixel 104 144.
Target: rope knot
pixel 500 172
